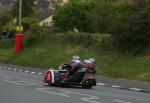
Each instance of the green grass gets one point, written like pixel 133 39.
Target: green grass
pixel 51 53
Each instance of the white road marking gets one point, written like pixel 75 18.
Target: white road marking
pixel 26 71
pixel 115 86
pixel 10 68
pixel 75 93
pixel 5 67
pixel 14 82
pixel 8 78
pixel 64 93
pixel 40 73
pixel 136 89
pixel 19 82
pixel 15 69
pixel 33 72
pixel 4 77
pixel 20 70
pixel 89 99
pixel 44 90
pixel 122 101
pixel 101 84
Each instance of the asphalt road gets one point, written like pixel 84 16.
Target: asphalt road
pixel 21 87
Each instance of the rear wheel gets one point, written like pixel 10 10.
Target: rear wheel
pixel 87 86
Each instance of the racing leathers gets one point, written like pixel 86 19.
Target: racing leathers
pixel 74 67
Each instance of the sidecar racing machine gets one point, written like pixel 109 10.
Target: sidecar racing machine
pixel 84 77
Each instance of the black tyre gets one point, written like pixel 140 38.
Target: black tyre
pixel 87 86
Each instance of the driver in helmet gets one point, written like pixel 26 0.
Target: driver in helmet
pixel 68 66
pixel 74 66
pixel 92 64
pixel 92 60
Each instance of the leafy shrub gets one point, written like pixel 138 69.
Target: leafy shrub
pixel 101 15
pixel 74 14
pixel 85 39
pixel 27 22
pixel 28 9
pixel 5 19
pixel 35 34
pixel 6 43
pixel 131 31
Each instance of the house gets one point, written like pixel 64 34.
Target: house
pixel 45 10
pixel 65 1
pixel 47 21
pixel 4 8
pixel 41 5
pixel 6 5
pixel 7 2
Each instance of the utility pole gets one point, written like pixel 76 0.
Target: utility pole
pixel 20 12
pixel 19 36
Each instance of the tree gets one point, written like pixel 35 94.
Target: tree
pixel 101 15
pixel 27 22
pixel 5 19
pixel 55 4
pixel 27 8
pixel 75 14
pixel 131 31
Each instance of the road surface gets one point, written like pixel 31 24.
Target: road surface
pixel 24 87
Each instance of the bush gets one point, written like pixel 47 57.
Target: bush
pixel 101 15
pixel 6 43
pixel 28 8
pixel 84 39
pixel 104 12
pixel 35 34
pixel 5 19
pixel 27 22
pixel 74 14
pixel 131 31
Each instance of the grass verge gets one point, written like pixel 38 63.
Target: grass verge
pixel 54 51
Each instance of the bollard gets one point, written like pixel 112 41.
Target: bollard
pixel 19 43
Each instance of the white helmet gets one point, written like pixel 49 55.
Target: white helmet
pixel 87 61
pixel 92 60
pixel 75 57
